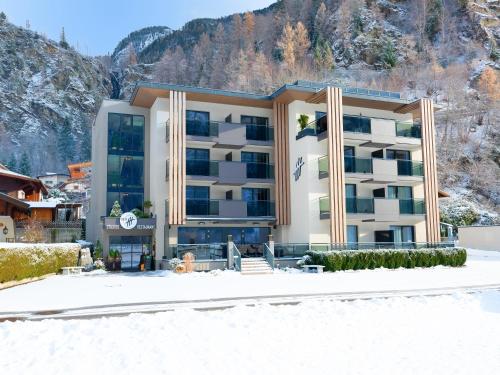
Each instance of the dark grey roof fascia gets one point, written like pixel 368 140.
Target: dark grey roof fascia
pixel 297 86
pixel 199 90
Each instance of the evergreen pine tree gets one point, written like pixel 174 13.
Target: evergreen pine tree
pixel 11 164
pixel 389 57
pixel 3 17
pixel 65 142
pixel 116 210
pixel 86 144
pixel 25 165
pixel 62 42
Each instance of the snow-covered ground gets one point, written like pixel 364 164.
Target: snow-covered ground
pixel 448 334
pixel 95 289
pixel 458 334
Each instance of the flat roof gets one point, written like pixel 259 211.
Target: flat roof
pixel 145 93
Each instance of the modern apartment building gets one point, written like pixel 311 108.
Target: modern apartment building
pixel 215 163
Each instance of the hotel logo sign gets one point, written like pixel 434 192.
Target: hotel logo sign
pixel 298 168
pixel 128 220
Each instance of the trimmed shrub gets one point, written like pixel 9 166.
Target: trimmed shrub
pixel 337 260
pixel 21 261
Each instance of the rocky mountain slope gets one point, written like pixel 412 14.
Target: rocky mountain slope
pixel 48 97
pixel 444 49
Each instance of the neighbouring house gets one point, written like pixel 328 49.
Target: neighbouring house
pixel 310 164
pixel 21 198
pixel 79 171
pixel 53 180
pixel 77 187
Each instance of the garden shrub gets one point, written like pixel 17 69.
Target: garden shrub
pixel 337 260
pixel 21 261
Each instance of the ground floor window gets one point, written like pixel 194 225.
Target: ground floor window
pixel 405 233
pixel 249 240
pixel 352 234
pixel 131 248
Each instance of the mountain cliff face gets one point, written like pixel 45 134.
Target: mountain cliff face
pixel 48 97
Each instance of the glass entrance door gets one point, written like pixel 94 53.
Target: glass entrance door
pixel 131 248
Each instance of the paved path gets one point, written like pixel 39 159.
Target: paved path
pixel 116 310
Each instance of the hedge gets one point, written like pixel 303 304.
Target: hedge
pixel 370 259
pixel 20 261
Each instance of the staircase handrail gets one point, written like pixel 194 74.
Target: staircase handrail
pixel 268 254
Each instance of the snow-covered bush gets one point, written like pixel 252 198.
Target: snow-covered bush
pixel 174 262
pixel 389 258
pixel 99 264
pixel 458 212
pixel 22 260
pixel 306 259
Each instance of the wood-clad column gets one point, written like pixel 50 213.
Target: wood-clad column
pixel 430 171
pixel 177 159
pixel 281 157
pixel 336 176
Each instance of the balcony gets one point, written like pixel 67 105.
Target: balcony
pixel 229 209
pixel 227 134
pixel 383 209
pixel 411 207
pixel 353 124
pixel 383 170
pixel 229 172
pixel 410 168
pixel 356 205
pixel 408 129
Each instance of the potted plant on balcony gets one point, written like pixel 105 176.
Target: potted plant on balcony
pixel 303 120
pixel 114 260
pixel 147 205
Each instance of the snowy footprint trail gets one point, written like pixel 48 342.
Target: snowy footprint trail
pixel 456 334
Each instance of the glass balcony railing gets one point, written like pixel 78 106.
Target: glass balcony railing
pixel 260 208
pixel 357 165
pixel 211 129
pixel 259 132
pixel 408 129
pixel 351 165
pixel 260 170
pixel 202 207
pixel 202 167
pixel 411 207
pixel 213 207
pixel 324 207
pixel 356 205
pixel 410 168
pixel 357 124
pixel 202 128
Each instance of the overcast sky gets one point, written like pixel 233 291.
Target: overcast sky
pixel 96 26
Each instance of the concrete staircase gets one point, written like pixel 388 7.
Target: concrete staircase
pixel 255 266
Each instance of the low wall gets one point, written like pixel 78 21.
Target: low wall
pixel 480 237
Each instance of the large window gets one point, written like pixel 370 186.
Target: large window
pixel 125 134
pixel 197 161
pixel 125 177
pixel 198 123
pixel 398 154
pixel 352 234
pixel 399 192
pixel 257 128
pixel 402 234
pixel 257 164
pixel 197 200
pixel 357 124
pixel 258 201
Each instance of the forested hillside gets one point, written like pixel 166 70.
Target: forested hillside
pixel 443 49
